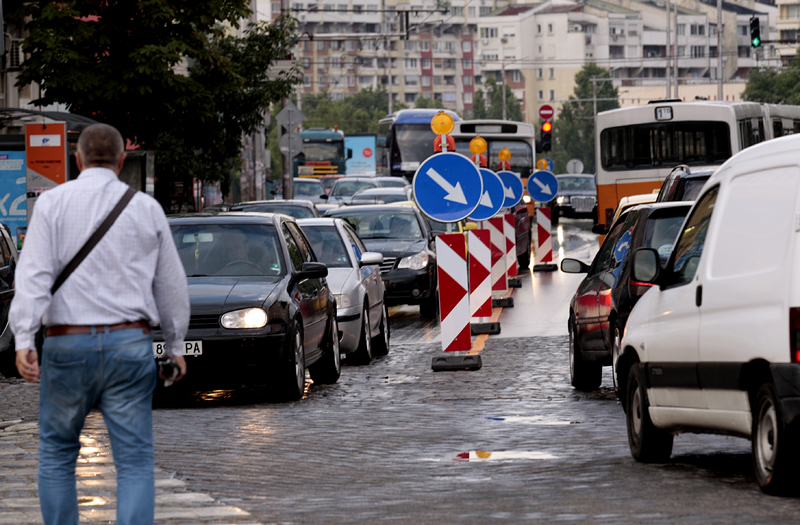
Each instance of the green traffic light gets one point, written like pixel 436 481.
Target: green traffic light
pixel 756 42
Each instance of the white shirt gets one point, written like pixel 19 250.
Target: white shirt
pixel 133 273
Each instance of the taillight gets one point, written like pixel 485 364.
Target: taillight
pixel 794 334
pixel 638 288
pixel 609 217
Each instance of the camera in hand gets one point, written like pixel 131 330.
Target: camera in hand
pixel 168 369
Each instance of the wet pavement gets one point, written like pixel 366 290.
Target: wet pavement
pixel 393 441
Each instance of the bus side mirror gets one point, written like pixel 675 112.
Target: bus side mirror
pixel 349 153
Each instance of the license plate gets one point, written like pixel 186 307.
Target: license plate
pixel 189 348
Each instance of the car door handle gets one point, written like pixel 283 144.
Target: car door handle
pixel 698 296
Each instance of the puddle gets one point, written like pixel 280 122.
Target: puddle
pixel 88 501
pixel 505 455
pixel 533 420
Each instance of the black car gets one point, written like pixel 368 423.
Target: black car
pixel 600 307
pixel 297 208
pixel 262 311
pixel 399 232
pixel 576 198
pixel 684 184
pixel 8 265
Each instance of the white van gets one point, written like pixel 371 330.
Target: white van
pixel 714 347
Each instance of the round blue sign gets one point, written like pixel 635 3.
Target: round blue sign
pixel 513 188
pixel 447 187
pixel 492 199
pixel 542 186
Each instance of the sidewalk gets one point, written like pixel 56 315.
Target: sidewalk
pixel 19 503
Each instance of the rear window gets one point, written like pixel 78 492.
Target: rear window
pixel 384 225
pixel 328 246
pixel 691 189
pixel 663 227
pixel 346 188
pixel 298 212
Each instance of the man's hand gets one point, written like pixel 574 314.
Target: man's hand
pixel 28 365
pixel 181 362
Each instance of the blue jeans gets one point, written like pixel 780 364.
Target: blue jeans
pixel 117 372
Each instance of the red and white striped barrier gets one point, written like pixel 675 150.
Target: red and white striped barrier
pixel 544 245
pixel 511 244
pixel 496 228
pixel 480 272
pixel 454 311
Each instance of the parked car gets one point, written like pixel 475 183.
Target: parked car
pixel 354 276
pixel 380 195
pixel 576 198
pixel 8 264
pixel 399 232
pixel 713 346
pixel 346 187
pixel 299 209
pixel 261 309
pixel 684 183
pixel 600 307
pixel 624 204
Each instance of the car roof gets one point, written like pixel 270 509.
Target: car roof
pixel 382 190
pixel 278 202
pixel 318 221
pixel 583 175
pixel 639 199
pixel 696 173
pixel 371 207
pixel 658 206
pixel 229 217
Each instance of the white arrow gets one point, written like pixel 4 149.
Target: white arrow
pixel 454 193
pixel 486 200
pixel 509 193
pixel 544 187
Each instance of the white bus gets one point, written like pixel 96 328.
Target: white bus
pixel 518 137
pixel 637 147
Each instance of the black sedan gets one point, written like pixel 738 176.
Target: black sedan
pixel 576 198
pixel 261 309
pixel 399 232
pixel 600 307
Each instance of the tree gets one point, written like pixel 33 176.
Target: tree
pixel 479 105
pixel 424 102
pixel 166 74
pixel 774 87
pixel 494 95
pixel 357 113
pixel 574 130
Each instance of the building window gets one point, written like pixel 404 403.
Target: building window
pixel 411 63
pixel 508 32
pixel 681 51
pixel 488 32
pixel 449 63
pixel 549 28
pixel 515 76
pixel 468 98
pixel 320 45
pixel 276 7
pixel 539 28
pixel 471 11
pixel 458 11
pixel 552 72
pixel 425 45
pixel 426 63
pixel 792 12
pixel 306 80
pixel 467 63
pixel 335 62
pixel 552 95
pixel 698 29
pixel 411 97
pixel 540 93
pixel 698 51
pixel 437 80
pixel 681 29
pixel 466 46
pixel 327 7
pixel 357 9
pixel 426 81
pixel 467 80
pixel 485 10
pixel 372 8
pixel 540 73
pixel 412 80
pixel 306 61
pixel 411 45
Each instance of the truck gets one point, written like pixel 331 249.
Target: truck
pixel 323 153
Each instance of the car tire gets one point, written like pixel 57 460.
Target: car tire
pixel 363 354
pixel 327 370
pixel 774 459
pixel 429 308
pixel 524 260
pixel 583 375
pixel 292 372
pixel 380 345
pixel 648 444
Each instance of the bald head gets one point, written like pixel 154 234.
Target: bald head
pixel 100 146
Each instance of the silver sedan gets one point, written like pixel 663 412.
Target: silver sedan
pixel 354 277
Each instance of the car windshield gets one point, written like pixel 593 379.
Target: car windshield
pixel 331 151
pixel 328 246
pixel 385 224
pixel 298 212
pixel 394 182
pixel 662 230
pixel 229 249
pixel 692 189
pixel 575 184
pixel 414 144
pixel 346 188
pixel 311 188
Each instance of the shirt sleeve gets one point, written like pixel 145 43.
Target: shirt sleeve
pixel 35 275
pixel 170 289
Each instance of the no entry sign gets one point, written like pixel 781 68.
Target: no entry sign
pixel 546 112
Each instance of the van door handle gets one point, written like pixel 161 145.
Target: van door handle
pixel 698 296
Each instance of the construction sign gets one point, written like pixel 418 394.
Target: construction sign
pixel 47 159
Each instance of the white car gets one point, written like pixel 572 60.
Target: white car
pixel 714 345
pixel 354 277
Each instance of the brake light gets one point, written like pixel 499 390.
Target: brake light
pixel 794 334
pixel 639 288
pixel 609 217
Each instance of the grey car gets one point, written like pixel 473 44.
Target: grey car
pixel 576 198
pixel 354 277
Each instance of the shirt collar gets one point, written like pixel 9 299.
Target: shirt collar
pixel 104 173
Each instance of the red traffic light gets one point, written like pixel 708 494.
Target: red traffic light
pixel 547 127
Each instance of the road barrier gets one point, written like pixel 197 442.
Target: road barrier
pixel 454 308
pixel 544 246
pixel 480 282
pixel 510 232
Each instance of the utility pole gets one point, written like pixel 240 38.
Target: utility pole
pixel 675 60
pixel 288 181
pixel 669 49
pixel 720 54
pixel 503 70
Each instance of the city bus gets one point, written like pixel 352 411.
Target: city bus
pixel 518 137
pixel 637 147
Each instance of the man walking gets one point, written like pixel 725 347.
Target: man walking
pixel 98 347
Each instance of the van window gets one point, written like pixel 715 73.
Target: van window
pixel 690 245
pixel 758 211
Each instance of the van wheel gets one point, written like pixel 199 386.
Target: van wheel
pixel 583 375
pixel 329 367
pixel 774 461
pixel 648 444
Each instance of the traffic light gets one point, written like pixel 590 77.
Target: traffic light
pixel 755 32
pixel 546 138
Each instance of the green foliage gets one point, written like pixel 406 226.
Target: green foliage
pixel 479 105
pixel 774 87
pixel 494 95
pixel 424 102
pixel 164 72
pixel 574 130
pixel 357 113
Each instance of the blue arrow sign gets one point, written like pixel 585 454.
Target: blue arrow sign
pixel 493 197
pixel 549 163
pixel 542 186
pixel 447 187
pixel 512 185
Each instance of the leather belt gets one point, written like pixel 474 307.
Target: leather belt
pixel 71 329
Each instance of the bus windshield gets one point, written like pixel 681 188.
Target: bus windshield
pixel 645 146
pixel 331 151
pixel 521 154
pixel 414 145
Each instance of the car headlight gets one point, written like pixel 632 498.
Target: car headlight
pixel 562 199
pixel 418 261
pixel 247 318
pixel 342 301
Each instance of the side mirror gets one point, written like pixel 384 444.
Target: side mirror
pixel 368 258
pixel 349 153
pixel 312 270
pixel 599 229
pixel 646 266
pixel 574 266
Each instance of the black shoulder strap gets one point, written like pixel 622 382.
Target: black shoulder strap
pixel 93 240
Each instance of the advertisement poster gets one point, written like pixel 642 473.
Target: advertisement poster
pixel 46 157
pixel 363 160
pixel 12 193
